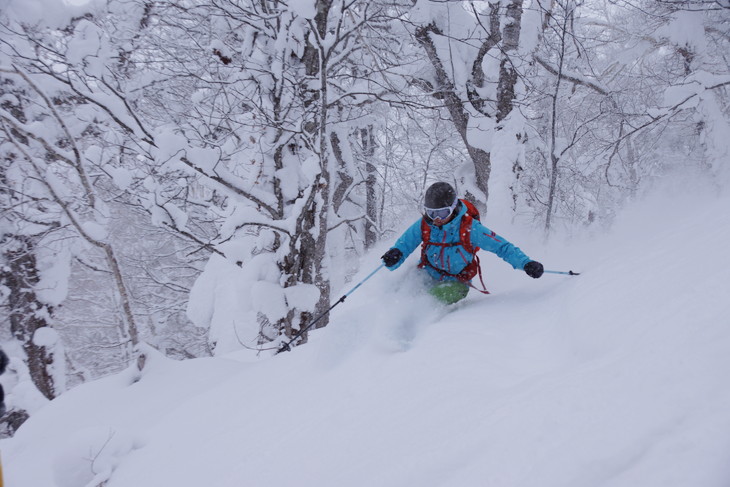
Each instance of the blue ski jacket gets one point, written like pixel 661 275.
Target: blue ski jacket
pixel 453 259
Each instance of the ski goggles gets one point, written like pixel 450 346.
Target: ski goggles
pixel 440 213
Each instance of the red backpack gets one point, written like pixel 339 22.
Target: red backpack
pixel 473 268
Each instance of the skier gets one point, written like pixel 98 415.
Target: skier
pixel 451 234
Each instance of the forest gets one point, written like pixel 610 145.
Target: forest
pixel 155 151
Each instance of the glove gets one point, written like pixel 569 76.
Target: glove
pixel 534 269
pixel 392 257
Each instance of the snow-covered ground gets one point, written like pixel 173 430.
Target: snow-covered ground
pixel 618 377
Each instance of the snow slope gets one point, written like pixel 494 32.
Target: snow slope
pixel 617 377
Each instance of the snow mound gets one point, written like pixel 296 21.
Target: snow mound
pixel 613 378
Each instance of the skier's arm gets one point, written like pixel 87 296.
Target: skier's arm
pixel 486 239
pixel 407 243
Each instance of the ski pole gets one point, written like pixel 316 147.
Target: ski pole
pixel 286 347
pixel 568 273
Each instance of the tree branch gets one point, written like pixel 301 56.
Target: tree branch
pixel 572 79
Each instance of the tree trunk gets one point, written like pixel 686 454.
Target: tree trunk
pixel 554 158
pixel 27 313
pixel 507 71
pixel 446 91
pixel 367 138
pixel 344 180
pixel 307 259
pixel 130 332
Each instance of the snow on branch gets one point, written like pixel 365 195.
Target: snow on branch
pixel 667 112
pixel 54 192
pixel 228 185
pixel 574 78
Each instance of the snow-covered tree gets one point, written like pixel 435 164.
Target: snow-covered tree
pixel 614 102
pixel 474 53
pixel 230 157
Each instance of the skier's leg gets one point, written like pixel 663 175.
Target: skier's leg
pixel 449 292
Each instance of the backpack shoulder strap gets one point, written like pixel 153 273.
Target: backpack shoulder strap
pixel 465 227
pixel 425 230
pixel 471 209
pixel 425 239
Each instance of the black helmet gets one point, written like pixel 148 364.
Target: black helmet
pixel 439 203
pixel 439 195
